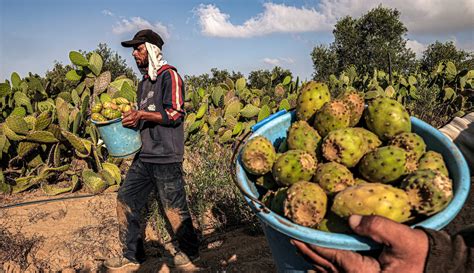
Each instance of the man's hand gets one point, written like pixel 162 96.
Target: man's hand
pixel 405 249
pixel 131 118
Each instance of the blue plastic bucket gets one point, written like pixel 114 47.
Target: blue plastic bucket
pixel 278 230
pixel 120 141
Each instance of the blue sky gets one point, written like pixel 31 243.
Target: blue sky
pixel 199 35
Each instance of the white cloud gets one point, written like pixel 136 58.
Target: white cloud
pixel 108 13
pixel 137 23
pixel 278 61
pixel 416 47
pixel 275 18
pixel 420 16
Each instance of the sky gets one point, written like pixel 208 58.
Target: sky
pixel 199 35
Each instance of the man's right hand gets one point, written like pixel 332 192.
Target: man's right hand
pixel 405 249
pixel 131 118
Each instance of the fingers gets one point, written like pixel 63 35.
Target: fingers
pixel 381 230
pixel 349 261
pixel 320 263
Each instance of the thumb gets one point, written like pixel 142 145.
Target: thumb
pixel 381 229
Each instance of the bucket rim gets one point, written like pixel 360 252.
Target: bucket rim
pixel 106 122
pixel 352 241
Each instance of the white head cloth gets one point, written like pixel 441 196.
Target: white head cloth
pixel 155 60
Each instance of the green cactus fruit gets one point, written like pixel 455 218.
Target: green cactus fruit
pixel 278 200
pixel 96 108
pixel 345 146
pixel 371 139
pixel 334 224
pixel 125 108
pixel 373 199
pixel 293 166
pixel 355 102
pixel 333 177
pixel 413 144
pixel 121 100
pixel 111 113
pixel 266 181
pixel 258 155
pixel 104 97
pixel 110 105
pixel 312 97
pixel 301 136
pixel 93 181
pixel 332 116
pixel 385 164
pixel 305 203
pixel 98 117
pixel 429 191
pixel 432 160
pixel 387 118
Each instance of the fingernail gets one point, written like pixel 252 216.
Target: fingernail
pixel 292 242
pixel 354 221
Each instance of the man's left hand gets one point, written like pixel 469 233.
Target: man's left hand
pixel 131 118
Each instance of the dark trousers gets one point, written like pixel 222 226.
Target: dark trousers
pixel 141 180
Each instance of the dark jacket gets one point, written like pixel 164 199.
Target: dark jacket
pixel 162 143
pixel 450 254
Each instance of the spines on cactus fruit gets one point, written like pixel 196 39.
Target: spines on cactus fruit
pixel 293 166
pixel 312 97
pixel 301 136
pixel 386 164
pixel 332 116
pixel 333 177
pixel 387 118
pixel 305 203
pixel 258 155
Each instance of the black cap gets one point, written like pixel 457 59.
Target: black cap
pixel 145 35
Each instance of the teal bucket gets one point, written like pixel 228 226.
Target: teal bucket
pixel 279 230
pixel 120 141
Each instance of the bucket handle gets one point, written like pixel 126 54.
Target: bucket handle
pixel 259 206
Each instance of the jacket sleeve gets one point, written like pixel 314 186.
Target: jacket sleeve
pixel 173 98
pixel 450 254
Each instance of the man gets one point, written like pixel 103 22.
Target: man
pixel 158 165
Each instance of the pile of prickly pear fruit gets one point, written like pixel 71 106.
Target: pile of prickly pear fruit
pixel 108 108
pixel 340 159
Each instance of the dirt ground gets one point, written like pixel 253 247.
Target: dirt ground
pixel 77 235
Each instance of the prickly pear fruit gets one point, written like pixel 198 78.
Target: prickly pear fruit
pixel 432 160
pixel 125 108
pixel 344 146
pixel 293 166
pixel 98 117
pixel 371 139
pixel 258 155
pixel 386 164
pixel 278 201
pixel 429 191
pixel 305 203
pixel 373 199
pixel 413 144
pixel 355 102
pixel 301 136
pixel 333 177
pixel 110 105
pixel 96 108
pixel 387 118
pixel 312 97
pixel 332 116
pixel 121 100
pixel 334 224
pixel 111 113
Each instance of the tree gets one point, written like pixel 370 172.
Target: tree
pixel 325 62
pixel 365 42
pixel 438 52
